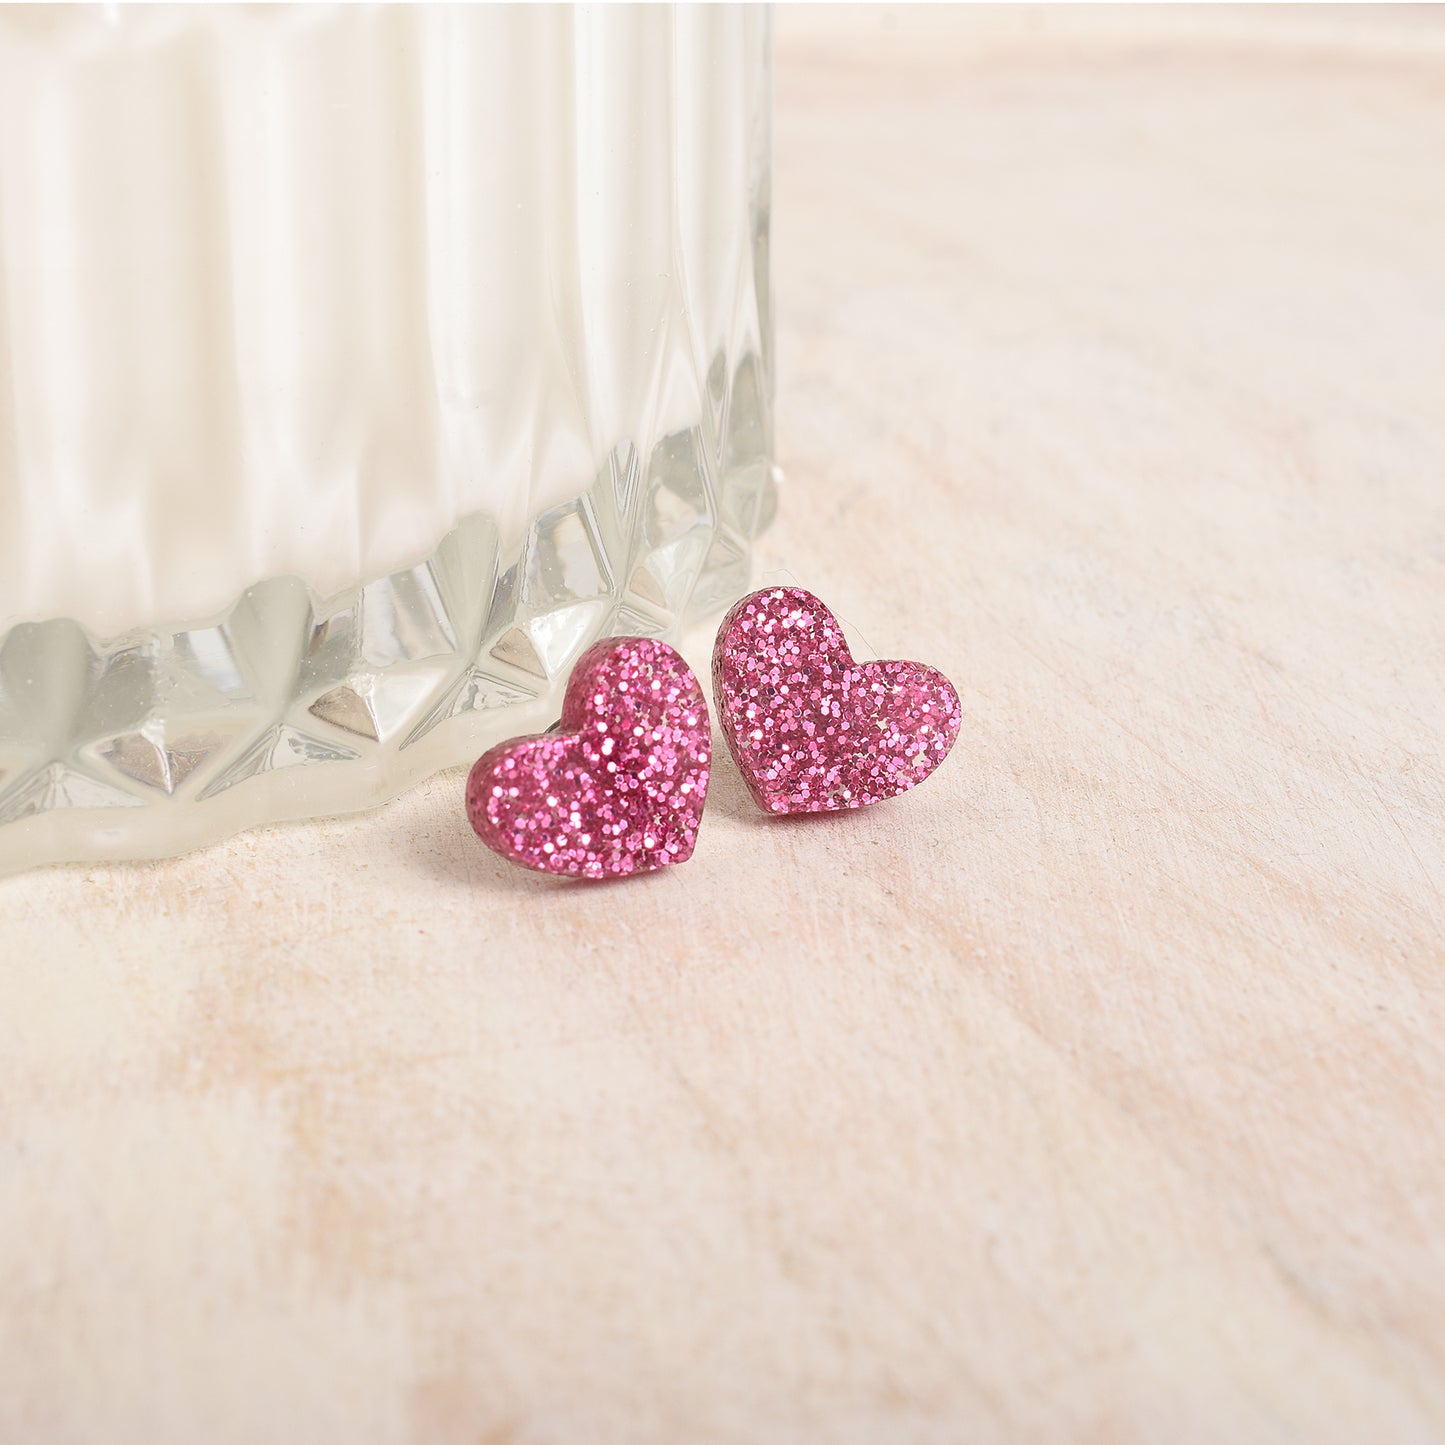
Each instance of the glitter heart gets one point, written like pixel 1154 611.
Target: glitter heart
pixel 811 729
pixel 620 789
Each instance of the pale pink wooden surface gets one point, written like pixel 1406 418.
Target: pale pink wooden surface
pixel 1094 1092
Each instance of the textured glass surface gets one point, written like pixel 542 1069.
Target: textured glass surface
pixel 287 703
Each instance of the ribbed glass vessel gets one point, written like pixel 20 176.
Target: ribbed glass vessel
pixel 358 368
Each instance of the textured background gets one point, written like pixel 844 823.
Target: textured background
pixel 1094 1092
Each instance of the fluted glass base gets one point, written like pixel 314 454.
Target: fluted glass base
pixel 291 705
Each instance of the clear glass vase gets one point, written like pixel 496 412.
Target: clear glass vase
pixel 358 368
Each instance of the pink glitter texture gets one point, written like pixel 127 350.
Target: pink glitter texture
pixel 811 729
pixel 620 789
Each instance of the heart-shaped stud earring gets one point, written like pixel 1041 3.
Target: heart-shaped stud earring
pixel 811 729
pixel 620 788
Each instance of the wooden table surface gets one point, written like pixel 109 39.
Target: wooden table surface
pixel 1094 1092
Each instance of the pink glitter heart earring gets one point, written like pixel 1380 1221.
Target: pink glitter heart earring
pixel 812 730
pixel 620 788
